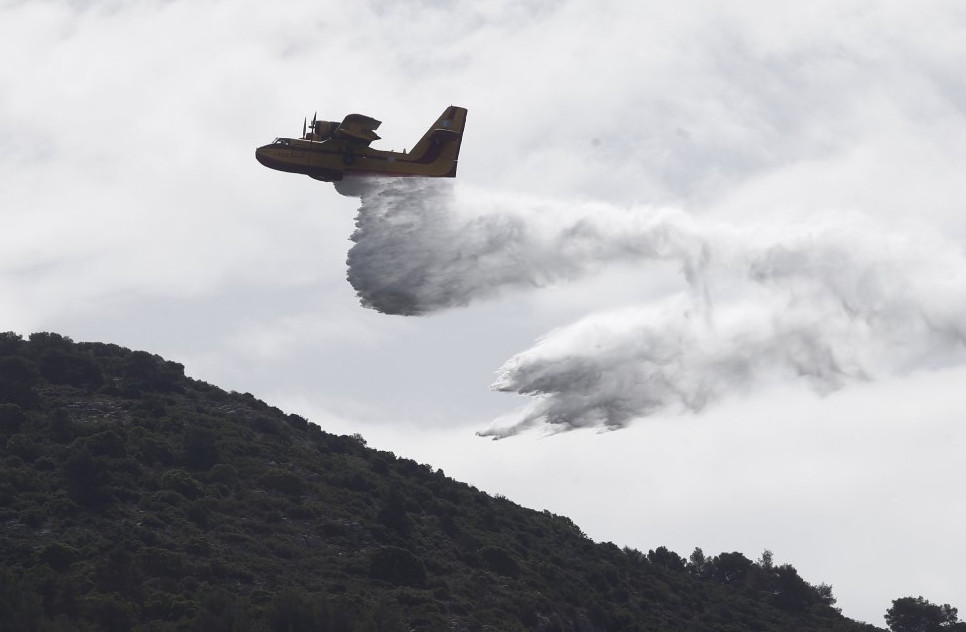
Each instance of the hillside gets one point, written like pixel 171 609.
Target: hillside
pixel 134 498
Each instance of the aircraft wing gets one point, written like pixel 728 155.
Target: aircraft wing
pixel 358 128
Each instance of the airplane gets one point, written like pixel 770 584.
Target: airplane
pixel 329 151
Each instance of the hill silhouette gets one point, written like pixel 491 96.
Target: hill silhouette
pixel 135 498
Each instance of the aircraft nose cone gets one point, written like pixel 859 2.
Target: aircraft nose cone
pixel 260 155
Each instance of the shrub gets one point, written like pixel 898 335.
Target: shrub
pixel 65 367
pixel 58 555
pixel 11 418
pixel 499 561
pixel 181 482
pixel 224 474
pixel 397 566
pixel 107 443
pixel 282 481
pixel 17 380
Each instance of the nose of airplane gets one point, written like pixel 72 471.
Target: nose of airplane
pixel 260 155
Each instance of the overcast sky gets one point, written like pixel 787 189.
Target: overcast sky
pixel 702 271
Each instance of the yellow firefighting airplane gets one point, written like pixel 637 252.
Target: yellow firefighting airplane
pixel 328 151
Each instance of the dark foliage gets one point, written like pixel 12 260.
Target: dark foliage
pixel 397 566
pixel 18 379
pixel 134 498
pixel 915 614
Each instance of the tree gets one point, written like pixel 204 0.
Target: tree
pixel 915 614
pixel 662 556
pixel 499 561
pixel 146 372
pixel 67 366
pixel 729 568
pixel 17 380
pixel 393 513
pixel 792 593
pixel 397 566
pixel 200 447
pixel 825 595
pixel 11 418
pixel 767 561
pixel 698 564
pixel 10 343
pixel 85 477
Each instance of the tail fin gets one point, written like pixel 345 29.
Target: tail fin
pixel 440 145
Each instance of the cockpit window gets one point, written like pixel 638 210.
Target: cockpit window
pixel 281 141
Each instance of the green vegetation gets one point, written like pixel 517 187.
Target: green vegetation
pixel 134 498
pixel 915 614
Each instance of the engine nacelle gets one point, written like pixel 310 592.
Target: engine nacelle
pixel 323 130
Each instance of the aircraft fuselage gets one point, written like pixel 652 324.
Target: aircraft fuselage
pixel 329 160
pixel 347 152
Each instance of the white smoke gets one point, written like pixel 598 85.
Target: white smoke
pixel 831 301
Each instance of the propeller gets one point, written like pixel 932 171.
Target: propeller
pixel 303 127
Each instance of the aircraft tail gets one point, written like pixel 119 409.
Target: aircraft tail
pixel 440 145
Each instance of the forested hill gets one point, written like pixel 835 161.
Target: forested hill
pixel 134 498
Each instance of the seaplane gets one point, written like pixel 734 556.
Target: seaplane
pixel 329 151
